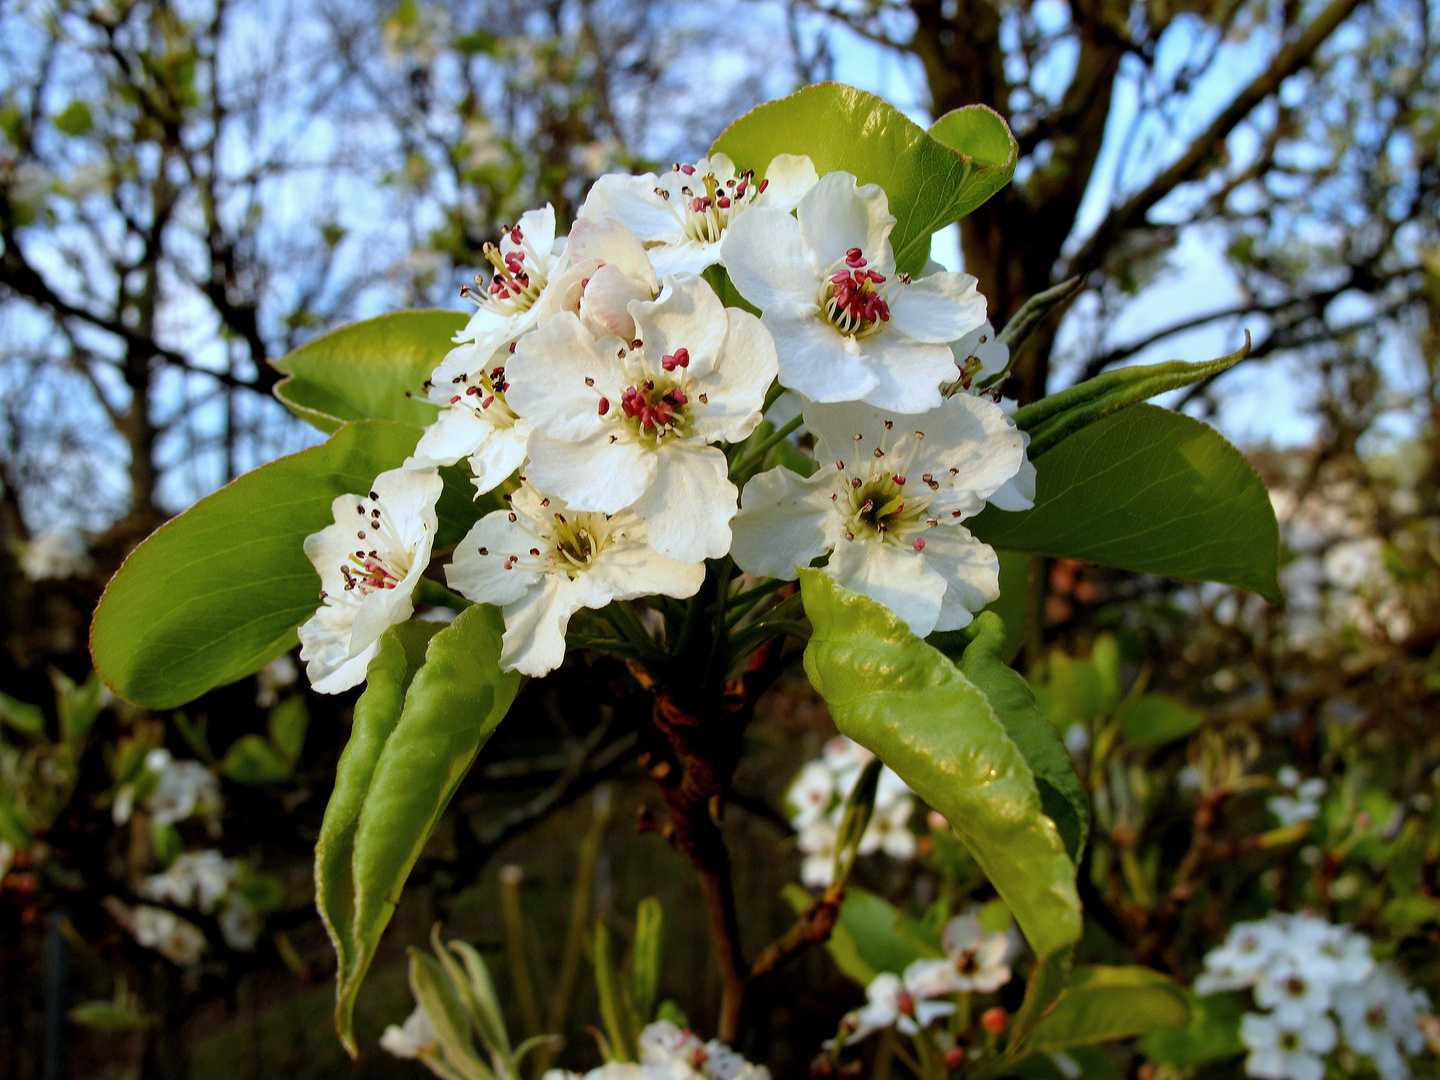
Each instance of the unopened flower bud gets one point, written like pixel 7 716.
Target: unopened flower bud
pixel 994 1020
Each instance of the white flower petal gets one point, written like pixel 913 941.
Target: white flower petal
pixel 787 178
pixel 817 360
pixel 547 377
pixel 938 309
pixel 593 474
pixel 735 392
pixel 631 200
pixel 484 578
pixel 766 259
pixel 896 577
pixel 687 315
pixel 534 641
pixel 688 507
pixel 971 571
pixel 785 521
pixel 838 214
pixel 499 455
pixel 908 374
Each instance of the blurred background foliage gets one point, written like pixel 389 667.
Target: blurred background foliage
pixel 190 189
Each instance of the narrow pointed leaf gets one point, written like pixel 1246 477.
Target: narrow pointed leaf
pixel 645 976
pixel 906 702
pixel 437 995
pixel 402 651
pixel 1150 491
pixel 453 703
pixel 364 371
pixel 932 178
pixel 217 592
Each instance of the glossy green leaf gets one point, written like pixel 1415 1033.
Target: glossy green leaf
pixel 1150 491
pixel 217 592
pixel 931 181
pixel 365 370
pixel 1062 796
pixel 1053 419
pixel 453 703
pixel 903 700
pixel 1213 1033
pixel 1102 1004
pixel 1154 720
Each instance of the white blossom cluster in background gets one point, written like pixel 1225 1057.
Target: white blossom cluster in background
pixel 204 881
pixel 1317 987
pixel 666 1053
pixel 817 803
pixel 1300 800
pixel 181 789
pixel 976 961
pixel 54 556
pixel 601 378
pixel 209 883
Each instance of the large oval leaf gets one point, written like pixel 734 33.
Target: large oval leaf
pixel 366 370
pixel 931 182
pixel 902 699
pixel 217 592
pixel 452 705
pixel 1151 491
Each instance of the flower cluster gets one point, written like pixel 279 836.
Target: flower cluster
pixel 1300 800
pixel 607 394
pixel 817 802
pixel 976 961
pixel 1306 973
pixel 171 791
pixel 205 881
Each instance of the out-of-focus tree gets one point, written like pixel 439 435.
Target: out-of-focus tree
pixel 187 191
pixel 1298 139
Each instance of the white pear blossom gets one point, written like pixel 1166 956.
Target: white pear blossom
pixel 475 420
pixel 178 940
pixel 280 674
pixel 846 326
pixel 1301 801
pixel 628 424
pixel 370 562
pixel 522 264
pixel 818 842
pixel 541 562
pixel 810 794
pixel 668 1053
pixel 1248 950
pixel 975 960
pixel 1380 1018
pixel 182 789
pixel 1292 992
pixel 195 880
pixel 891 1001
pixel 979 356
pixel 684 214
pixel 887 503
pixel 240 923
pixel 55 556
pixel 416 1039
pixel 889 829
pixel 608 269
pixel 1286 1049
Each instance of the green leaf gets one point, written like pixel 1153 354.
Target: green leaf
pixel 440 998
pixel 217 592
pixel 872 935
pixel 1154 720
pixel 931 181
pixel 645 976
pixel 1102 1004
pixel 1062 796
pixel 251 759
pixel 402 651
pixel 1080 1063
pixel 903 700
pixel 78 707
pixel 1213 1033
pixel 109 1016
pixel 1053 419
pixel 1153 492
pixel 615 1013
pixel 365 370
pixel 453 703
pixel 288 721
pixel 75 119
pixel 24 717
